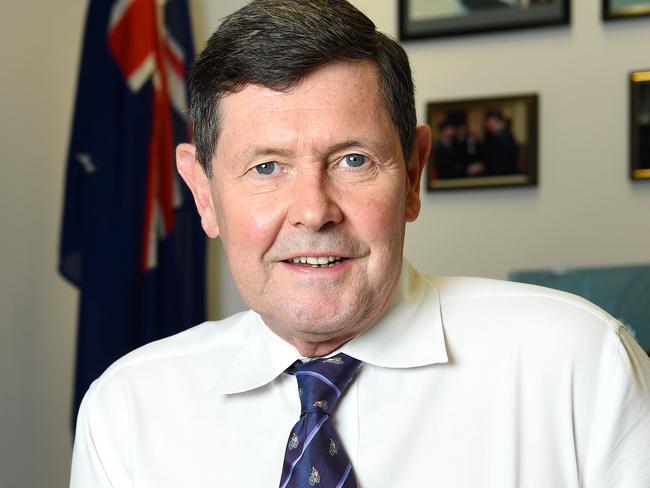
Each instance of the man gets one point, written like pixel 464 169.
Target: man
pixel 499 147
pixel 446 161
pixel 467 145
pixel 307 165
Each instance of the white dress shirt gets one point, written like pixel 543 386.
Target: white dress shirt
pixel 466 382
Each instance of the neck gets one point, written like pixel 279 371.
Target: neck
pixel 318 349
pixel 313 345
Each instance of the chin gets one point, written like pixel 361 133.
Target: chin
pixel 322 323
pixel 320 320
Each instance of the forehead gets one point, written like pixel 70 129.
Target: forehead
pixel 340 99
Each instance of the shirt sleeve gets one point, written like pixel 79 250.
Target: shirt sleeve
pixel 619 452
pixel 100 458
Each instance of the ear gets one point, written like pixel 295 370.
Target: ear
pixel 414 168
pixel 192 173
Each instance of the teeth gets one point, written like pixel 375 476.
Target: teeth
pixel 315 262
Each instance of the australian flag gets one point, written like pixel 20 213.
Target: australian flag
pixel 131 240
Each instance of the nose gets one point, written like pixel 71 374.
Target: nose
pixel 313 203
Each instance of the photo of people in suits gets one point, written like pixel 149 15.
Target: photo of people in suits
pixel 481 143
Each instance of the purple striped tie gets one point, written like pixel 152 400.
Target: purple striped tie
pixel 315 455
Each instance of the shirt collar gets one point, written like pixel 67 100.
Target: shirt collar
pixel 409 334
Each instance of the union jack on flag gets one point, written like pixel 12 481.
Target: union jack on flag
pixel 130 241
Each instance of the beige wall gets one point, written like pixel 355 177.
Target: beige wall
pixel 39 44
pixel 585 211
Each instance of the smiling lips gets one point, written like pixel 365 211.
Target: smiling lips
pixel 316 262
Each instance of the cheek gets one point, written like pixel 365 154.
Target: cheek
pixel 251 226
pixel 380 220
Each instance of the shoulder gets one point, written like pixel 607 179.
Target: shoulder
pixel 510 311
pixel 208 347
pixel 486 292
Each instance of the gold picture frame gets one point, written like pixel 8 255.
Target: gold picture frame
pixel 483 143
pixel 420 19
pixel 640 125
pixel 625 9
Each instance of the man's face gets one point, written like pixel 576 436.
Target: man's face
pixel 314 174
pixel 493 124
pixel 448 133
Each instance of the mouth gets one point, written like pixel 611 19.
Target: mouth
pixel 316 261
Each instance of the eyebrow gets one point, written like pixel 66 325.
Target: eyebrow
pixel 269 151
pixel 351 143
pixel 264 151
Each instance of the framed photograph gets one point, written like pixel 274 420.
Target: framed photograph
pixel 640 125
pixel 625 9
pixel 484 142
pixel 437 18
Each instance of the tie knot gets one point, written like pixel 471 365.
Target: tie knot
pixel 321 382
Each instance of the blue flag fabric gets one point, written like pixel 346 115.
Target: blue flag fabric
pixel 130 239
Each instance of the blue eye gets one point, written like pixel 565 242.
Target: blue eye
pixel 355 160
pixel 265 168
